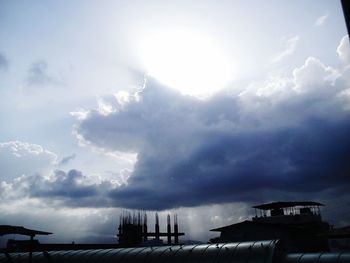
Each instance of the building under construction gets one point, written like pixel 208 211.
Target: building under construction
pixel 133 231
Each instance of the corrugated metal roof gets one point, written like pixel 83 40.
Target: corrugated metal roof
pixel 247 252
pixel 336 257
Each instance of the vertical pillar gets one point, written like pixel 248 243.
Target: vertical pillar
pixel 169 230
pixel 31 249
pixel 120 229
pixel 157 227
pixel 145 227
pixel 139 228
pixel 176 230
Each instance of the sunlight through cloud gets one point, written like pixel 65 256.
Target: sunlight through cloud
pixel 190 62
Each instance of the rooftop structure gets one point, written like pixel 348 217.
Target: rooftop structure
pixel 298 224
pixel 288 212
pixel 277 205
pixel 20 230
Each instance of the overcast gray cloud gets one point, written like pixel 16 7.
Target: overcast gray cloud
pixel 72 188
pixel 3 62
pixel 284 134
pixel 40 74
pixel 67 159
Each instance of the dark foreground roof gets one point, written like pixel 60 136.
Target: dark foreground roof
pixel 257 252
pixel 322 257
pixel 277 205
pixel 20 230
pixel 343 232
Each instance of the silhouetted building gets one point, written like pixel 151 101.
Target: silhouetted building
pixel 297 224
pixel 133 231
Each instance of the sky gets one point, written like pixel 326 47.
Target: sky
pixel 200 108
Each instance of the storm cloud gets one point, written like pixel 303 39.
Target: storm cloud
pixel 83 136
pixel 280 137
pixel 286 134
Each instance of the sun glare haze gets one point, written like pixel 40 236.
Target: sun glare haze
pixel 188 61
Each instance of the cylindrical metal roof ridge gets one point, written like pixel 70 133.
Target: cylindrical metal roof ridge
pixel 247 252
pixel 326 257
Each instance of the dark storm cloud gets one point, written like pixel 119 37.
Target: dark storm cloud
pixel 193 152
pixel 64 185
pixel 240 168
pixel 286 135
pixel 72 188
pixel 3 62
pixel 227 167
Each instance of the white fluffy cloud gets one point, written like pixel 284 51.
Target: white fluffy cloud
pixel 290 44
pixel 343 50
pixel 21 158
pixel 314 77
pixel 321 20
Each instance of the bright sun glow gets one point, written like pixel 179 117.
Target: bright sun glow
pixel 192 63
